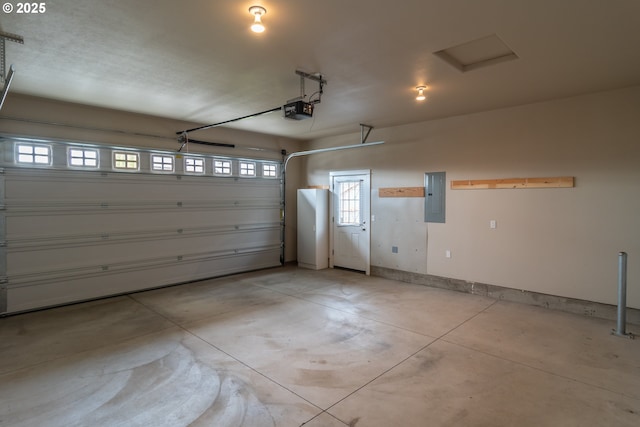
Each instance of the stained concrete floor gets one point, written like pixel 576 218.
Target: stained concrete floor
pixel 330 348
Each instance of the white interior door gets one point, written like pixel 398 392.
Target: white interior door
pixel 350 228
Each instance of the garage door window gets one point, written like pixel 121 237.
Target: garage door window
pixel 161 163
pixel 126 161
pixel 33 154
pixel 269 170
pixel 247 169
pixel 82 157
pixel 222 167
pixel 193 165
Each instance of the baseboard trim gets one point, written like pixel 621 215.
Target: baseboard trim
pixel 569 305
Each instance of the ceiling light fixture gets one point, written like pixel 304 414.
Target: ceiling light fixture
pixel 421 96
pixel 257 12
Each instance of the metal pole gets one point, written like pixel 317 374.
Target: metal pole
pixel 622 297
pixel 622 294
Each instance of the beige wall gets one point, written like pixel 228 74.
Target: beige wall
pixel 24 115
pixel 562 242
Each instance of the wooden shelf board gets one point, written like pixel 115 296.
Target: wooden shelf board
pixel 481 184
pixel 401 192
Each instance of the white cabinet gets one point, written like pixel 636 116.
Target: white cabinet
pixel 313 228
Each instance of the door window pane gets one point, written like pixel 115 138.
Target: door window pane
pixel 350 202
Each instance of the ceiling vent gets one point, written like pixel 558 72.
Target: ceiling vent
pixel 478 53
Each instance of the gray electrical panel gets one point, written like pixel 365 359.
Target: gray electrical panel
pixel 434 196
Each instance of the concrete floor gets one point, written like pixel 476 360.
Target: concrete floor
pixel 330 348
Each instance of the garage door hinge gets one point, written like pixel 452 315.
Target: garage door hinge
pixel 3 243
pixel 4 280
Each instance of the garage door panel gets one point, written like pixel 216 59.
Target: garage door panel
pixel 56 224
pixel 42 185
pixel 73 234
pixel 55 292
pixel 57 255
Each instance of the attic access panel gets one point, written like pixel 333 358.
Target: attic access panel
pixel 477 53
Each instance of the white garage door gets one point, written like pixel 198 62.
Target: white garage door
pixel 84 221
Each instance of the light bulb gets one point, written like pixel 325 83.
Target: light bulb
pixel 257 12
pixel 421 96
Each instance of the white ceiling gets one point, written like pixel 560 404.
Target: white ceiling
pixel 198 61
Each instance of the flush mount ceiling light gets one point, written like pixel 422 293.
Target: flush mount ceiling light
pixel 257 12
pixel 421 96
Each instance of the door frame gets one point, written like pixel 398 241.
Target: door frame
pixel 367 191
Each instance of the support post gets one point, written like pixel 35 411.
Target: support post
pixel 622 297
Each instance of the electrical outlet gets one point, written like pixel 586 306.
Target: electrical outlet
pixel 447 253
pixel 493 224
pixel 394 249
